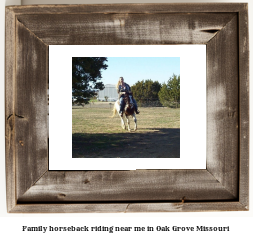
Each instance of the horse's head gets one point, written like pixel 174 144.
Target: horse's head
pixel 129 100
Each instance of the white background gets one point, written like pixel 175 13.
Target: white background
pixel 11 224
pixel 192 125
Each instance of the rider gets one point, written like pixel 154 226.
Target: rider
pixel 123 87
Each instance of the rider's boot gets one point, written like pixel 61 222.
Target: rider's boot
pixel 136 110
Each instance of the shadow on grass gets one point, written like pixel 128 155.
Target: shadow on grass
pixel 153 143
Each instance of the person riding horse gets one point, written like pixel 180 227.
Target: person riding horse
pixel 122 88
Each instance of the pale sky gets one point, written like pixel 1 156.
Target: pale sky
pixel 135 69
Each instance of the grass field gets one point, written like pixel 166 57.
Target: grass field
pixel 96 134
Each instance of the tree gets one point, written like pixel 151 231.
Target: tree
pixel 169 94
pixel 86 74
pixel 146 91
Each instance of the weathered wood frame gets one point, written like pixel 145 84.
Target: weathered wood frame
pixel 223 186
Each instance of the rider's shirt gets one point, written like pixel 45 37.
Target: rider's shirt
pixel 125 88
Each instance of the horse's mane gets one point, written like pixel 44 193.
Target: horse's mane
pixel 127 96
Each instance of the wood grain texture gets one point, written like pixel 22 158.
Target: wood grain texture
pixel 131 29
pixel 186 207
pixel 222 107
pixel 139 185
pixel 154 8
pixel 129 207
pixel 30 109
pixel 244 106
pixel 9 109
pixel 222 187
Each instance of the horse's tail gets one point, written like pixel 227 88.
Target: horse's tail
pixel 114 111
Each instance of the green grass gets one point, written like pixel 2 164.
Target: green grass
pixel 98 120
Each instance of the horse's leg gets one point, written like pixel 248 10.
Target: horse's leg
pixel 122 123
pixel 117 107
pixel 128 123
pixel 135 122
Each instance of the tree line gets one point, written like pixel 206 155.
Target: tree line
pixel 87 79
pixel 148 92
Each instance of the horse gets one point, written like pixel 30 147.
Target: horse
pixel 128 111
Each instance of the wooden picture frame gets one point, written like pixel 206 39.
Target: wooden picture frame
pixel 222 186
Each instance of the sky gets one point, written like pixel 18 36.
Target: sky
pixel 134 69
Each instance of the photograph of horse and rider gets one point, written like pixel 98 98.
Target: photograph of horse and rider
pixel 125 107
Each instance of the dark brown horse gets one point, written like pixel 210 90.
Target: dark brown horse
pixel 128 111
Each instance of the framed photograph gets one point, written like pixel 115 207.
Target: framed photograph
pixel 93 131
pixel 39 36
